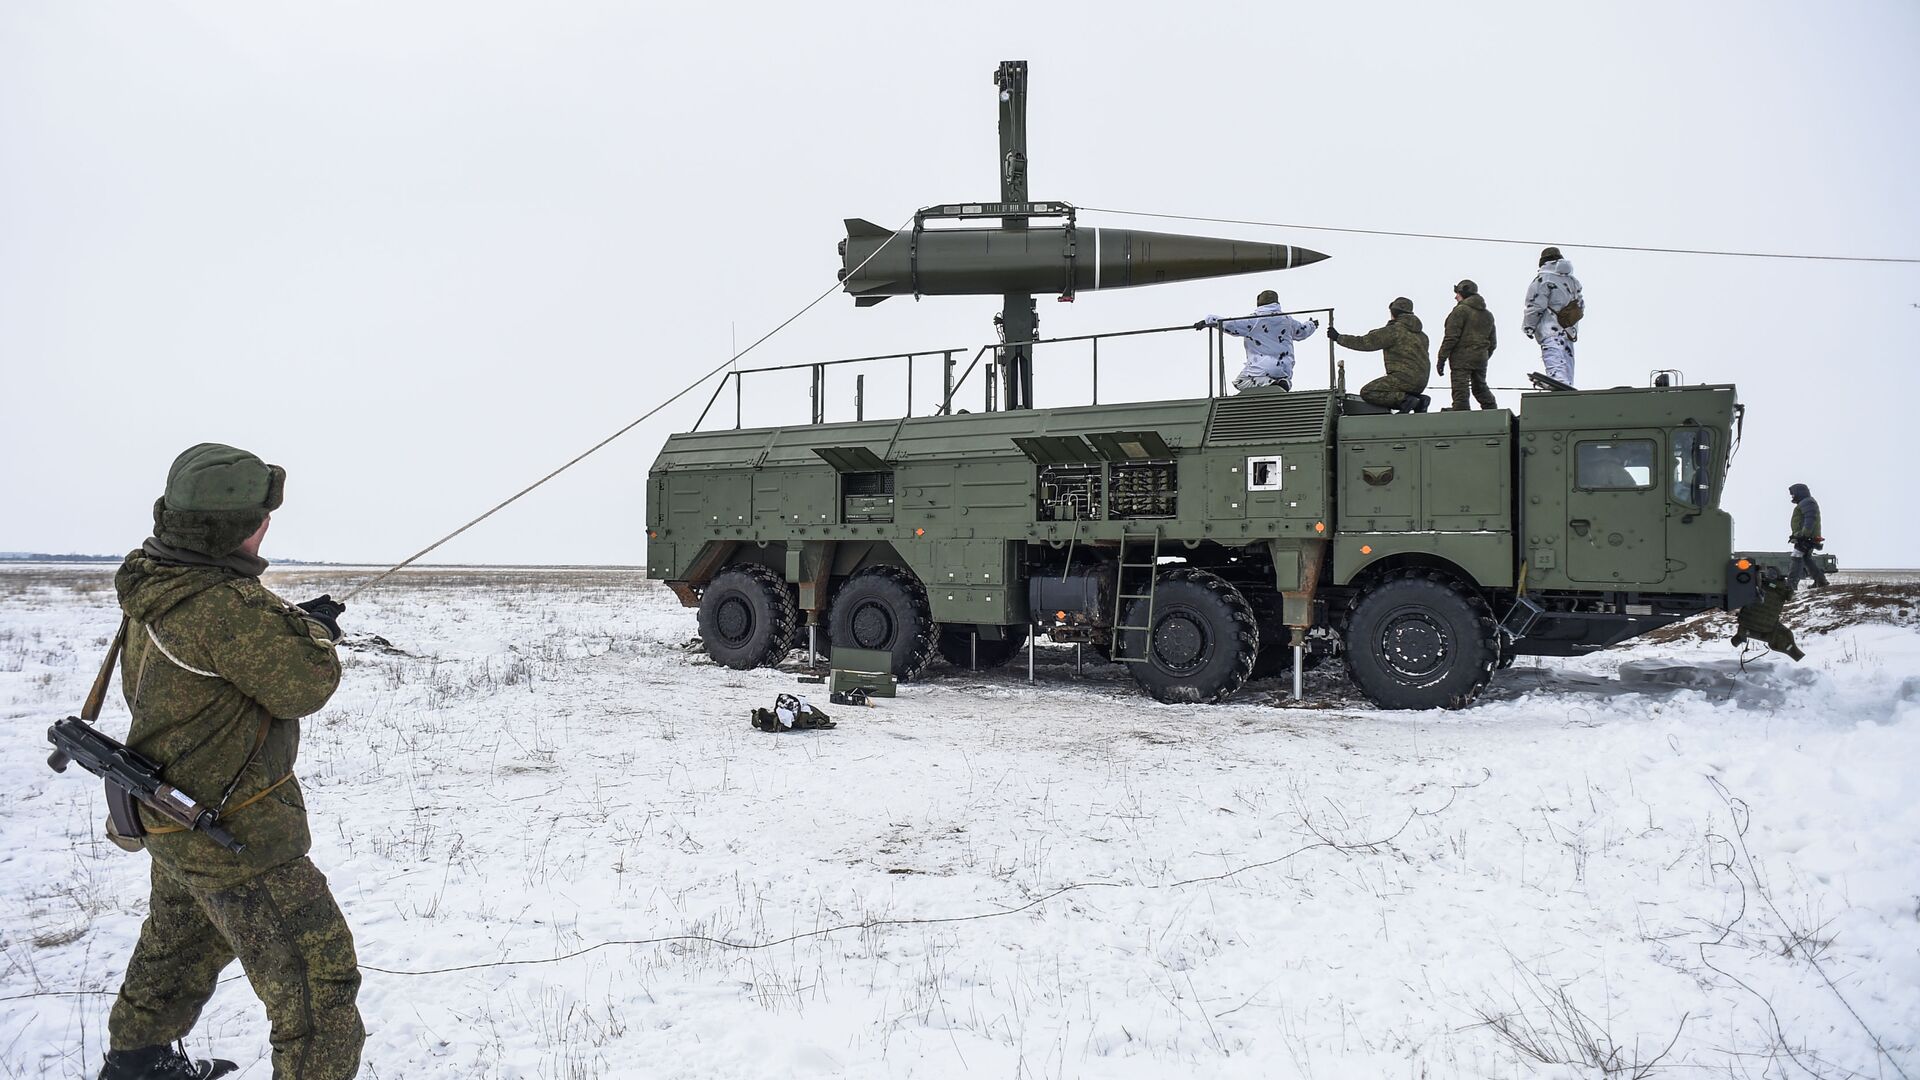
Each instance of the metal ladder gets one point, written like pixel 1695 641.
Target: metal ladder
pixel 1121 595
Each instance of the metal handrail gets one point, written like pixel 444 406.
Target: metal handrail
pixel 1216 368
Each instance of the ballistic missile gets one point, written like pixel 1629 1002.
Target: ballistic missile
pixel 1064 260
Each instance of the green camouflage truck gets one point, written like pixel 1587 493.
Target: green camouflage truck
pixel 1207 541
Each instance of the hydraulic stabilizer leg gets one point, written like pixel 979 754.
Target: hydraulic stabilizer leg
pixel 1299 662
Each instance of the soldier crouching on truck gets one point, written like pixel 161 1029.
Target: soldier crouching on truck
pixel 216 672
pixel 1405 345
pixel 1268 335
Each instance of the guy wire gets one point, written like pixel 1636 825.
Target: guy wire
pixel 717 369
pixel 1502 240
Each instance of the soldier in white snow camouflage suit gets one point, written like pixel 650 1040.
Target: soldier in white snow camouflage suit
pixel 1269 335
pixel 1553 289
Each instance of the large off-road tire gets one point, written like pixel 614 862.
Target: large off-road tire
pixel 747 615
pixel 885 607
pixel 1420 641
pixel 955 643
pixel 1203 640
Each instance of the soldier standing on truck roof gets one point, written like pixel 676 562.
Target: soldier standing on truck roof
pixel 1405 345
pixel 1805 537
pixel 1469 343
pixel 1269 335
pixel 1552 317
pixel 217 671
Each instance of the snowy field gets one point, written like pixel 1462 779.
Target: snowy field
pixel 1580 877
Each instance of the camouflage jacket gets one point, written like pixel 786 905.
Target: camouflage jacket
pixel 1406 347
pixel 1469 339
pixel 217 672
pixel 1553 288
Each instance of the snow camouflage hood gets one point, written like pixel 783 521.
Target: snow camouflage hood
pixel 1562 267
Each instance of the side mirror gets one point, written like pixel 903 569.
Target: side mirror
pixel 1702 468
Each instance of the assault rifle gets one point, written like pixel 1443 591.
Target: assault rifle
pixel 131 778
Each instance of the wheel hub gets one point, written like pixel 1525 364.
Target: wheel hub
pixel 873 626
pixel 1180 643
pixel 1414 644
pixel 734 620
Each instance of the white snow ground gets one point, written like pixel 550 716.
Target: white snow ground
pixel 1058 880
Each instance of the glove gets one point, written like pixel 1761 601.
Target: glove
pixel 1440 368
pixel 1333 335
pixel 326 611
pixel 1201 325
pixel 1315 323
pixel 1527 330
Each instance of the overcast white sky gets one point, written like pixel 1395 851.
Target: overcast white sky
pixel 421 253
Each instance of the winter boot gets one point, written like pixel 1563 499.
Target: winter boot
pixel 162 1063
pixel 1794 651
pixel 1740 637
pixel 1423 400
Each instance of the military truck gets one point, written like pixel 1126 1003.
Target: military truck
pixel 1206 541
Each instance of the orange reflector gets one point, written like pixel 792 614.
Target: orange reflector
pixel 1060 615
pixel 1366 549
pixel 919 532
pixel 1744 565
pixel 1319 526
pixel 653 534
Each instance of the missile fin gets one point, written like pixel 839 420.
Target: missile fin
pixel 863 227
pixel 868 301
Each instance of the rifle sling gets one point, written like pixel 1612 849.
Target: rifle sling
pixel 225 814
pixel 98 694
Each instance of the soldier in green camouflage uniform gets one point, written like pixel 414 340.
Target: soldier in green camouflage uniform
pixel 217 672
pixel 1468 344
pixel 1761 621
pixel 1405 345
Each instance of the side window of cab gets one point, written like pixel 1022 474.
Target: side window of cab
pixel 1614 465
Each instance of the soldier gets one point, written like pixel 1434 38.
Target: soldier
pixel 1554 309
pixel 1405 345
pixel 1761 621
pixel 1469 343
pixel 1805 537
pixel 1268 335
pixel 216 672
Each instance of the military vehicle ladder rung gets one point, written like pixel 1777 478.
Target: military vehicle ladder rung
pixel 1121 596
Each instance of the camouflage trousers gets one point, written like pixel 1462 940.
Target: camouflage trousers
pixel 1386 392
pixel 291 941
pixel 1472 380
pixel 1760 620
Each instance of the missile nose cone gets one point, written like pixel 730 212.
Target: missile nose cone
pixel 1305 257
